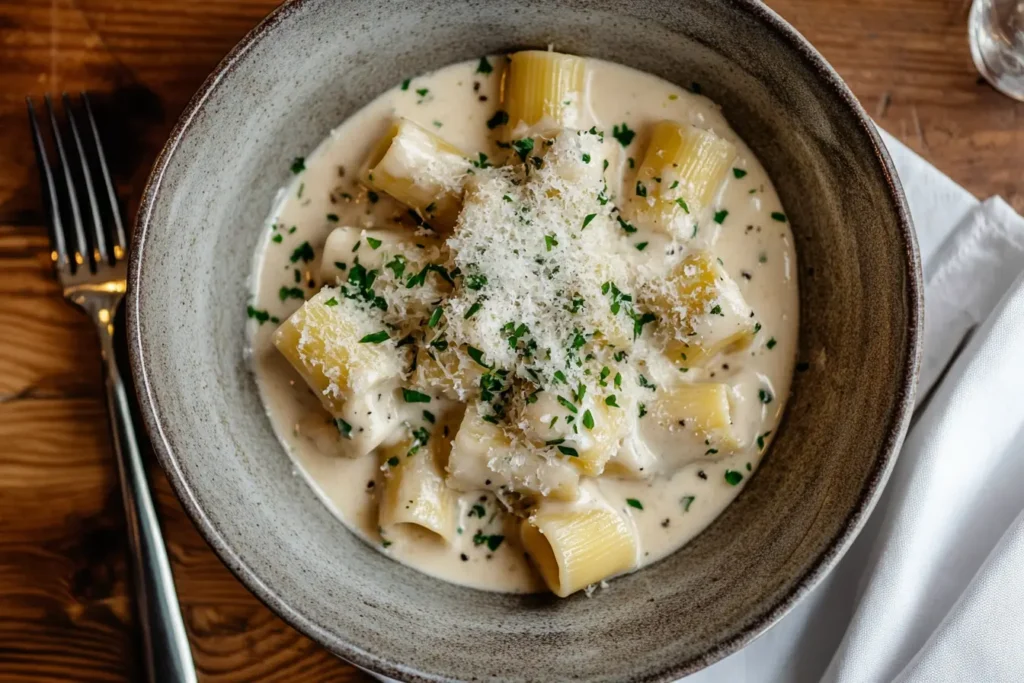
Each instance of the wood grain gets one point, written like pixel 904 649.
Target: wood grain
pixel 65 607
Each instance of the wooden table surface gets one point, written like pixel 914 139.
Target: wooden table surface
pixel 65 610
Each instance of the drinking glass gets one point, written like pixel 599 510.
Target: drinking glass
pixel 996 30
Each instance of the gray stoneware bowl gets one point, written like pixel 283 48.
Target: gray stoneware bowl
pixel 313 63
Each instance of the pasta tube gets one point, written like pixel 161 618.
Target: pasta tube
pixel 680 174
pixel 322 342
pixel 414 490
pixel 544 92
pixel 420 170
pixel 702 310
pixel 483 457
pixel 702 408
pixel 587 437
pixel 573 548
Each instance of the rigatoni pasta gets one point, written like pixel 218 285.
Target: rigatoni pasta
pixel 681 172
pixel 544 91
pixel 550 319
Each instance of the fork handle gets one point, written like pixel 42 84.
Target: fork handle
pixel 168 658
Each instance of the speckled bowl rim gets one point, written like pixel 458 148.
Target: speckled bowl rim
pixel 380 664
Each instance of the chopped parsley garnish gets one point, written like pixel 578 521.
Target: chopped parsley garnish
pixel 764 396
pixel 298 165
pixel 257 314
pixel 567 450
pixel 762 258
pixel 732 477
pixel 339 265
pixel 500 118
pixel 291 293
pixel 344 428
pixel 634 503
pixel 374 243
pixel 302 187
pixel 686 502
pixel 738 172
pixel 476 281
pixel 586 158
pixel 405 83
pixel 375 338
pixel 420 278
pixel 623 134
pixel 643 410
pixel 422 92
pixel 588 420
pixel 641 246
pixel 567 404
pixel 720 216
pixel 477 305
pixel 481 161
pixel 393 461
pixel 757 327
pixel 355 247
pixel 550 241
pixel 477 355
pixel 771 343
pixel 641 189
pixel 717 310
pixel 711 451
pixel 493 541
pixel 523 147
pixel 626 225
pixel 304 252
pixel 682 205
pixel 412 396
pixel 761 440
pixel 646 383
pixel 278 238
pixel 477 510
pixel 587 219
pixel 396 265
pixel 429 416
pixel 611 401
pixel 435 317
pixel 331 302
pixel 777 216
pixel 484 67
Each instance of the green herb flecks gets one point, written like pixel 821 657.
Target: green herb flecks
pixel 500 118
pixel 623 134
pixel 634 503
pixel 523 147
pixel 375 338
pixel 413 396
pixel 303 252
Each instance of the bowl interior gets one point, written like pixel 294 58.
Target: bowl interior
pixel 315 62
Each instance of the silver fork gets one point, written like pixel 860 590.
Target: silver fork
pixel 92 274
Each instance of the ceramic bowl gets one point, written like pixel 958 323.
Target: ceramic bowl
pixel 310 65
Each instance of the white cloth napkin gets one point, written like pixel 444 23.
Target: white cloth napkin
pixel 933 588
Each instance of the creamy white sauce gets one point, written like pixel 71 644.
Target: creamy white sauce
pixel 756 250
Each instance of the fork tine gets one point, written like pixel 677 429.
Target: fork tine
pixel 99 239
pixel 59 255
pixel 120 240
pixel 81 256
